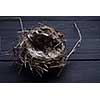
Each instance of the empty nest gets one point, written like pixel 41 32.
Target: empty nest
pixel 41 49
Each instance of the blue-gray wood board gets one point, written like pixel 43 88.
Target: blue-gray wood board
pixel 83 65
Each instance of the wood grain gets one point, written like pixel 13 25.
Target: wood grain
pixel 83 65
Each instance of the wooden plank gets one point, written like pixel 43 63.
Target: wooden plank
pixel 84 63
pixel 8 73
pixel 74 72
pixel 89 49
pixel 57 18
pixel 89 29
pixel 88 71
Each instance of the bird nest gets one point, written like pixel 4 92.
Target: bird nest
pixel 41 49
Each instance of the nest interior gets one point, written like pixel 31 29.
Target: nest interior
pixel 41 49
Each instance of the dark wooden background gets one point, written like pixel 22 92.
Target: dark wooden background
pixel 83 65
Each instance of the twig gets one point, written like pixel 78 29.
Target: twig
pixel 77 43
pixel 60 71
pixel 20 21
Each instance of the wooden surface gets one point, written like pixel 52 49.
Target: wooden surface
pixel 83 65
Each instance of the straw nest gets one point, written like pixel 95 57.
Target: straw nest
pixel 41 49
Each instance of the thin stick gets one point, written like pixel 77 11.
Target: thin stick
pixel 20 70
pixel 77 43
pixel 38 72
pixel 45 65
pixel 25 61
pixel 30 66
pixel 60 72
pixel 20 21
